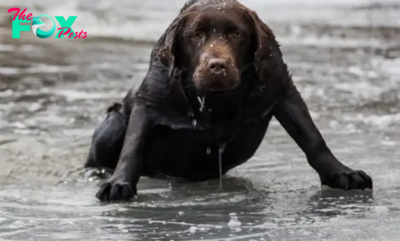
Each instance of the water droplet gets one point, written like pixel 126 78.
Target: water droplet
pixel 234 222
pixel 192 229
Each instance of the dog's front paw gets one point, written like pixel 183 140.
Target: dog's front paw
pixel 348 180
pixel 116 191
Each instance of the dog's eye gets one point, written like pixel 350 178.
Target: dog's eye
pixel 197 35
pixel 237 34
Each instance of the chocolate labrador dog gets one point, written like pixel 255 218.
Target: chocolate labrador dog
pixel 216 78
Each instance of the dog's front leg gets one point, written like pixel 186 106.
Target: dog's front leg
pixel 122 184
pixel 294 116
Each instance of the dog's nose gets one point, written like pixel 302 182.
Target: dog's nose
pixel 217 66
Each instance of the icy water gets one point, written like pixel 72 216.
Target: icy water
pixel 345 59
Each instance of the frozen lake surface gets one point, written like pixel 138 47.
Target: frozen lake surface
pixel 345 59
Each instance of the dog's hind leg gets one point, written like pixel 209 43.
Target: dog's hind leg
pixel 108 139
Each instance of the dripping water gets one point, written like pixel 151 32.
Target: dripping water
pixel 202 101
pixel 220 152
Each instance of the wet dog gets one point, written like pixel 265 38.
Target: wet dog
pixel 216 78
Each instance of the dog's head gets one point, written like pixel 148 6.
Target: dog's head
pixel 215 41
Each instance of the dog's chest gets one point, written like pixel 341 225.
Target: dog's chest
pixel 197 154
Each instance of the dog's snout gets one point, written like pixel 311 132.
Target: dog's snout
pixel 217 65
pixel 217 70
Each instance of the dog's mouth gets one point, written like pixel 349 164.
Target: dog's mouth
pixel 218 87
pixel 215 91
pixel 215 85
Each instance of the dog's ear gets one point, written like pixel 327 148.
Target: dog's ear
pixel 266 46
pixel 167 45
